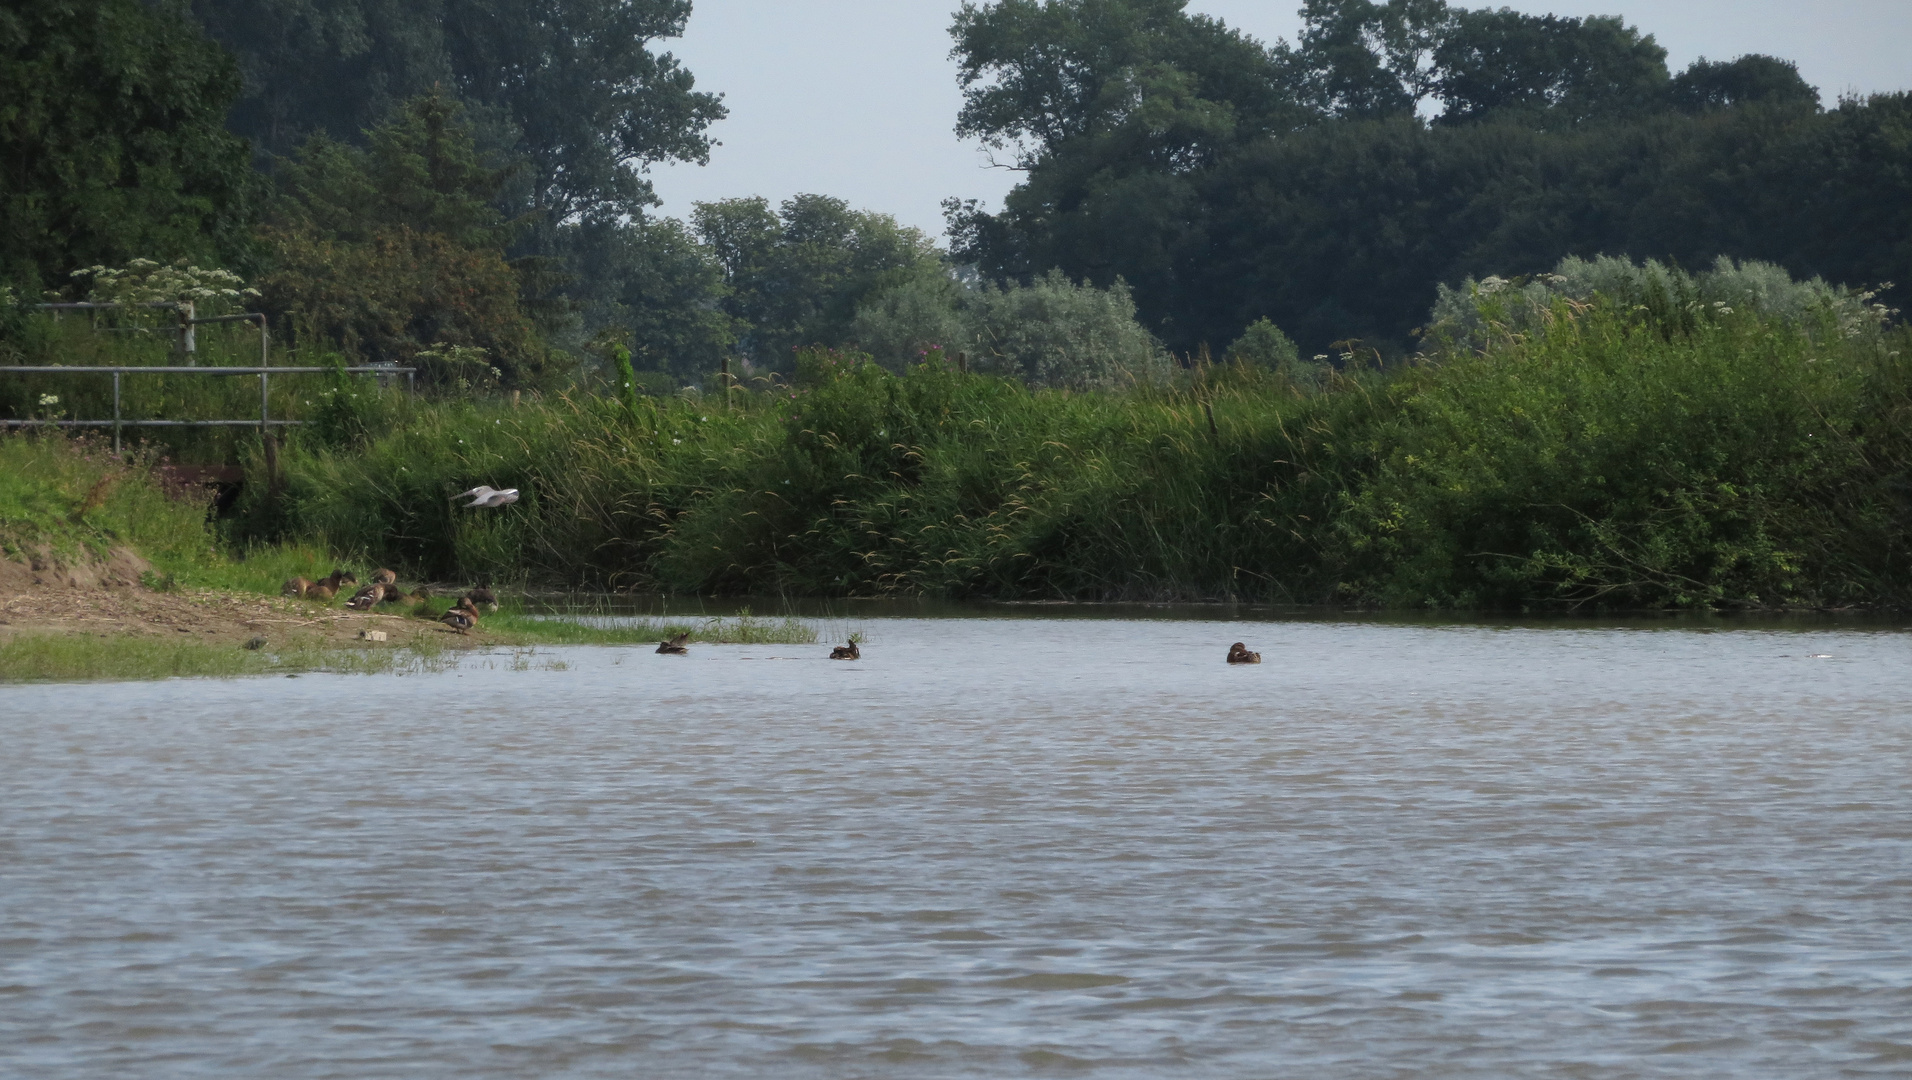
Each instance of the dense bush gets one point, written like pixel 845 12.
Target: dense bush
pixel 1053 332
pixel 1604 457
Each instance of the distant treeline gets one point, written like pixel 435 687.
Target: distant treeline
pixel 461 183
pixel 1332 184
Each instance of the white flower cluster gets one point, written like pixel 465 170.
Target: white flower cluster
pixel 144 281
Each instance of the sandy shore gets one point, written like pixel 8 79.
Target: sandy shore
pixel 107 599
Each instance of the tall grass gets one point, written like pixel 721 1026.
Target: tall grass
pixel 1592 452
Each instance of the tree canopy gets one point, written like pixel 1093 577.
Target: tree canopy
pixel 1332 183
pixel 113 142
pixel 572 88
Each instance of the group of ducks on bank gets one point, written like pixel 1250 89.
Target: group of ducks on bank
pixel 463 616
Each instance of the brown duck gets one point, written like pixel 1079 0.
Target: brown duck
pixel 382 576
pixel 676 646
pixel 367 598
pixel 462 618
pixel 1239 654
pixel 846 652
pixel 483 598
pixel 302 587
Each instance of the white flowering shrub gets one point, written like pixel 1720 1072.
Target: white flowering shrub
pixel 1462 315
pixel 212 291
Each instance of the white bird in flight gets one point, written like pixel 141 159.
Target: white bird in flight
pixel 482 496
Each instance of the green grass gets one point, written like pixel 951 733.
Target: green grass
pixel 1610 461
pixel 511 628
pixel 80 657
pixel 1607 459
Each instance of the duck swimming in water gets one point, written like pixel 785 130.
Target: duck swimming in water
pixel 846 652
pixel 461 618
pixel 676 646
pixel 1239 654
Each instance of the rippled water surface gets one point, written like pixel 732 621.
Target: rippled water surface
pixel 990 848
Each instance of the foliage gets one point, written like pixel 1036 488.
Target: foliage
pixel 1263 345
pixel 394 296
pixel 77 498
pixel 420 170
pixel 211 291
pixel 394 253
pixel 795 275
pixel 1675 300
pixel 1606 458
pixel 1299 182
pixel 112 141
pixel 655 289
pixel 1052 332
pixel 571 87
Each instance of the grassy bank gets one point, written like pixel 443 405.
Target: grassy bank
pixel 1614 459
pixel 74 517
pixel 1594 454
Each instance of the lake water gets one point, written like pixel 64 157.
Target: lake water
pixel 993 847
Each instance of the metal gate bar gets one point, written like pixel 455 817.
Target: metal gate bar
pixel 264 422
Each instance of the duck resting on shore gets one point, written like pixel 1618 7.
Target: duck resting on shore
pixel 677 646
pixel 382 576
pixel 483 597
pixel 302 587
pixel 461 618
pixel 368 598
pixel 1239 654
pixel 846 652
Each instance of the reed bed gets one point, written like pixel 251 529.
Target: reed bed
pixel 1594 456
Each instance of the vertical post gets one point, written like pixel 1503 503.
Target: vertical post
pixel 116 412
pixel 264 428
pixel 188 340
pixel 726 372
pixel 411 383
pixel 264 356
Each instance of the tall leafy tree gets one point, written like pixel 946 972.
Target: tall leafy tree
pixel 575 88
pixel 112 140
pixel 591 105
pixel 326 67
pixel 394 249
pixel 1548 68
pixel 794 275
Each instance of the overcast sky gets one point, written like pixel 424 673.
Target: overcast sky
pixel 858 98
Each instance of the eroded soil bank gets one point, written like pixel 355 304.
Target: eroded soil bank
pixel 106 598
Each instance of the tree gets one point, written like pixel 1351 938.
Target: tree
pixel 591 106
pixel 1547 68
pixel 1751 79
pixel 1039 75
pixel 656 289
pixel 796 275
pixel 112 141
pixel 572 87
pixel 326 67
pixel 1339 212
pixel 393 250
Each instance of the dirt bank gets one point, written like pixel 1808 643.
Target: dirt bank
pixel 107 598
